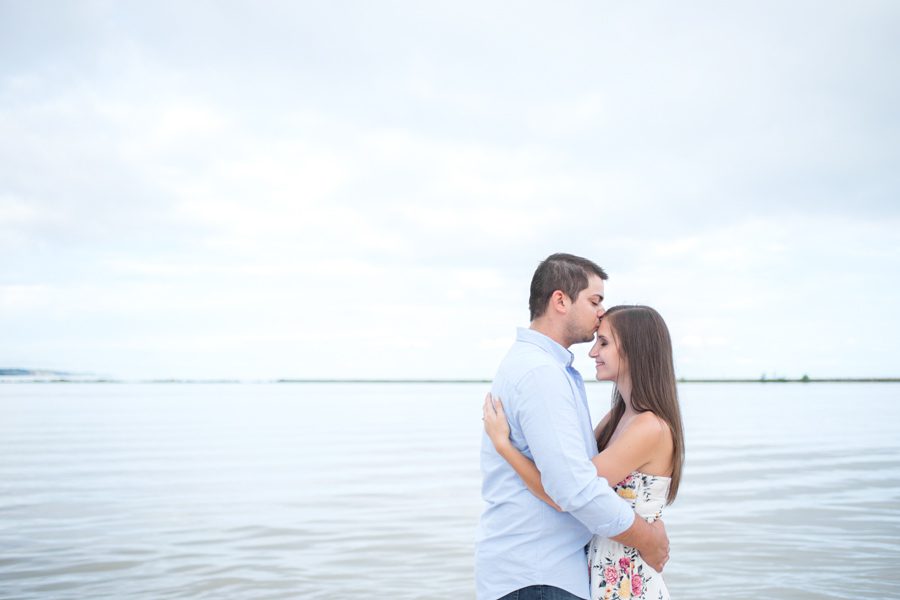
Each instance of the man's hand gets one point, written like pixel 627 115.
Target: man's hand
pixel 650 539
pixel 656 554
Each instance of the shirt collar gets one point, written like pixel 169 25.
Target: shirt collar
pixel 530 336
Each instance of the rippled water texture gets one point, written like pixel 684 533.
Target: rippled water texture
pixel 343 490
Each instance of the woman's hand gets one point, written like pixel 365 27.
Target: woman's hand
pixel 495 424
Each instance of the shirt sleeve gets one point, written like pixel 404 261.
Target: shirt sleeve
pixel 548 416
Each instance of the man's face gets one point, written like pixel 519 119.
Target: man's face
pixel 585 312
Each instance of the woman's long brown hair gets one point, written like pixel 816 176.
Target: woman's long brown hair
pixel 645 345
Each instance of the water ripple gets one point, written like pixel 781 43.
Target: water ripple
pixel 273 492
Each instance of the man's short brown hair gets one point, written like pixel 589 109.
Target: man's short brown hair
pixel 565 272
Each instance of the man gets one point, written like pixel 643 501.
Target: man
pixel 525 549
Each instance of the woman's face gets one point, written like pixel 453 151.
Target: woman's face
pixel 605 353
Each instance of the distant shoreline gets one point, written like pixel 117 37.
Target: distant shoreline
pixel 26 379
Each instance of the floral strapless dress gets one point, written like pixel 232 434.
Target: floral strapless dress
pixel 618 572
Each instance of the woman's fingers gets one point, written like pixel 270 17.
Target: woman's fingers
pixel 489 404
pixel 493 411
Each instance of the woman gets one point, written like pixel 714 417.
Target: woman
pixel 641 442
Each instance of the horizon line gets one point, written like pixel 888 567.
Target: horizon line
pixel 22 379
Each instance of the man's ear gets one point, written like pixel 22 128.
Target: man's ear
pixel 559 302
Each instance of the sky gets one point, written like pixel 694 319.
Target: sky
pixel 255 190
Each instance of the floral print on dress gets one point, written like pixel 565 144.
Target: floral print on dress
pixel 640 486
pixel 623 579
pixel 618 572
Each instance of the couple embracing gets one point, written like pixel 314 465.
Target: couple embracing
pixel 553 527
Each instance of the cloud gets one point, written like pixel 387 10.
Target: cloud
pixel 310 192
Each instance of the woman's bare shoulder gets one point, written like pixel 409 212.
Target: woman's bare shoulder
pixel 649 426
pixel 651 433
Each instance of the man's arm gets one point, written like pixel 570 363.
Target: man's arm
pixel 548 415
pixel 650 539
pixel 549 420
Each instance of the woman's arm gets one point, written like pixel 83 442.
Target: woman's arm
pixel 497 428
pixel 633 448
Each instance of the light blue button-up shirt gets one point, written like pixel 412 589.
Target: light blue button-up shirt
pixel 521 540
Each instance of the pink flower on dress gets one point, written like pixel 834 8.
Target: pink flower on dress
pixel 611 574
pixel 637 585
pixel 627 481
pixel 624 563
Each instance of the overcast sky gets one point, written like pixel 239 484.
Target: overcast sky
pixel 363 189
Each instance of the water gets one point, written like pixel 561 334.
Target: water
pixel 339 490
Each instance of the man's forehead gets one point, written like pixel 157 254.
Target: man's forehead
pixel 595 287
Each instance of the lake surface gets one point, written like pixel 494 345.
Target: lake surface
pixel 351 490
